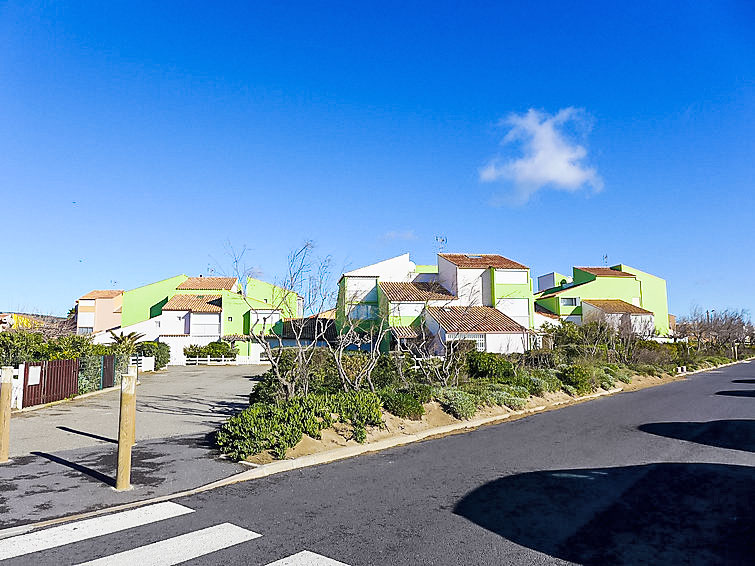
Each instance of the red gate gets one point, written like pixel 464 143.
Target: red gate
pixel 45 382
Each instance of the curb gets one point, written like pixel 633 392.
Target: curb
pixel 280 466
pixel 59 402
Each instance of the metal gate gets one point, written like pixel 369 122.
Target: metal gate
pixel 45 382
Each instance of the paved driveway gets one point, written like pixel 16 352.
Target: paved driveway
pixel 173 402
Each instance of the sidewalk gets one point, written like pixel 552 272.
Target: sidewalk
pixel 46 485
pixel 63 457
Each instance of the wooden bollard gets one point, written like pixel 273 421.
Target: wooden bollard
pixel 6 388
pixel 126 429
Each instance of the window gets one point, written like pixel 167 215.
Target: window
pixel 230 319
pixel 569 302
pixel 85 329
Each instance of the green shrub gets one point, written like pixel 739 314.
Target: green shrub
pixel 580 377
pixel 550 378
pixel 160 351
pixel 90 374
pixel 386 373
pixel 217 349
pixel 569 390
pixel 280 426
pixel 420 391
pixel 402 404
pixel 458 403
pixel 623 374
pixel 487 365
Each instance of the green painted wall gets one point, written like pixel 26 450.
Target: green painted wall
pixel 622 288
pixel 272 294
pixel 426 269
pixel 146 302
pixel 513 291
pixel 653 296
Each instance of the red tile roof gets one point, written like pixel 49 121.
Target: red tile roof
pixel 604 272
pixel 194 303
pixel 415 291
pixel 102 294
pixel 208 283
pixel 474 319
pixel 482 261
pixel 615 306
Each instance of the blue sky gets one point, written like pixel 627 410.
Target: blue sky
pixel 135 141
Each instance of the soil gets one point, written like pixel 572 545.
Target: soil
pixel 341 434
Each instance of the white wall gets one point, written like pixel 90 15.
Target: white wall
pixel 406 309
pixel 361 289
pixel 511 276
pixel 505 343
pixel 205 324
pixel 447 274
pixel 517 309
pixel 85 320
pixel 174 322
pixel 470 286
pixel 399 268
pixel 177 344
pixel 538 320
pixel 151 329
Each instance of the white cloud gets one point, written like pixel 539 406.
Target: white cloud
pixel 550 155
pixel 400 235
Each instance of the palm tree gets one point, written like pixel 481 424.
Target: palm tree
pixel 126 343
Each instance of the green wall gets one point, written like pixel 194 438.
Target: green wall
pixel 146 302
pixel 513 291
pixel 653 296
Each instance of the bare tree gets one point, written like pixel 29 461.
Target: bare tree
pixel 305 289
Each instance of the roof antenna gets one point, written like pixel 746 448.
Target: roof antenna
pixel 605 260
pixel 440 243
pixel 210 270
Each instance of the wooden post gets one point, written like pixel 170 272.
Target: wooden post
pixel 6 387
pixel 126 429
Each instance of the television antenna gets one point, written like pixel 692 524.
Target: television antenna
pixel 605 260
pixel 440 243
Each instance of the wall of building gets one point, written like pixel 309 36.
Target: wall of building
pixel 204 324
pixel 505 343
pixel 105 316
pixel 447 275
pixel 145 302
pixel 653 297
pixel 513 294
pixel 624 288
pixel 470 286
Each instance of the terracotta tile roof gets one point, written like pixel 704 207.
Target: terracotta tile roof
pixel 473 319
pixel 329 314
pixel 102 294
pixel 482 261
pixel 615 306
pixel 194 303
pixel 604 272
pixel 208 283
pixel 545 312
pixel 406 332
pixel 415 291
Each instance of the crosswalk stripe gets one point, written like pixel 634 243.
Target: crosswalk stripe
pixel 181 548
pixel 89 528
pixel 307 558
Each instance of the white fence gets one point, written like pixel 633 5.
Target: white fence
pixel 223 361
pixel 143 363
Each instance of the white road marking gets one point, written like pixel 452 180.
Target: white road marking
pixel 89 528
pixel 181 548
pixel 306 558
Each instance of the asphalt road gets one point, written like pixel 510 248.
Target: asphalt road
pixel 658 476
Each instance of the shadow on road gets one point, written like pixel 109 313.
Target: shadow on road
pixel 670 513
pixel 88 434
pixel 737 434
pixel 78 467
pixel 738 393
pixel 743 380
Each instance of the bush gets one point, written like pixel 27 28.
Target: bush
pixel 550 378
pixel 487 365
pixel 402 404
pixel 217 349
pixel 160 351
pixel 580 378
pixel 280 426
pixel 386 373
pixel 458 403
pixel 420 391
pixel 90 374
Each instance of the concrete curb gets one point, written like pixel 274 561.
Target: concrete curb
pixel 280 466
